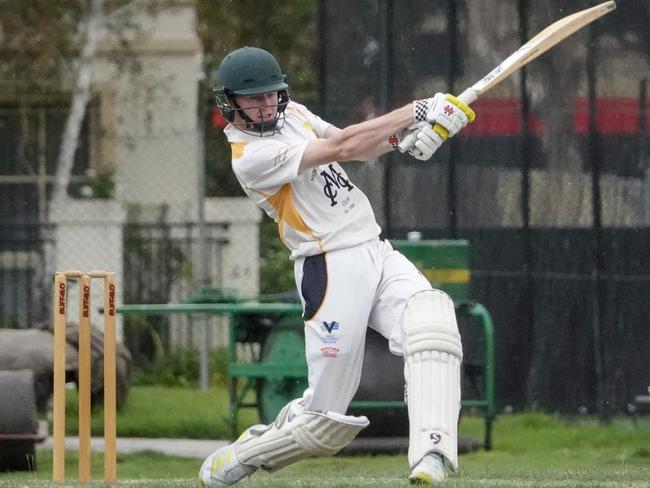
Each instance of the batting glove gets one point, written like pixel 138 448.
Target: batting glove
pixel 419 140
pixel 445 112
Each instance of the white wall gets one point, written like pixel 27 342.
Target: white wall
pixel 146 130
pixel 148 109
pixel 88 236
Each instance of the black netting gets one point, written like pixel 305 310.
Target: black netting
pixel 551 184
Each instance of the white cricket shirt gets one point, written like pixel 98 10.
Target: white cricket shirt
pixel 318 210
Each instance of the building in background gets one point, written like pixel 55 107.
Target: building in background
pixel 134 206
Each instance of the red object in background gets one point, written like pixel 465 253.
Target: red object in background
pixel 613 116
pixel 501 117
pixel 218 120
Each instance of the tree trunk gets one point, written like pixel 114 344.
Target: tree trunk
pixel 80 97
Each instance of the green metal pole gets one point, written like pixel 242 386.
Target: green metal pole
pixel 478 310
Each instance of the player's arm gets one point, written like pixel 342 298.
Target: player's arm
pixel 357 142
pixel 419 140
pixel 383 147
pixel 370 139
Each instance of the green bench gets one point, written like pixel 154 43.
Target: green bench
pixel 270 361
pixel 278 372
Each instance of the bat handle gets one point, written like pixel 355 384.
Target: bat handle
pixel 469 96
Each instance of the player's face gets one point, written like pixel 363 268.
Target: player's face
pixel 259 108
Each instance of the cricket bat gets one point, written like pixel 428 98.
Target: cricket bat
pixel 542 42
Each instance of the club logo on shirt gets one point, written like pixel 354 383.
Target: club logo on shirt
pixel 334 181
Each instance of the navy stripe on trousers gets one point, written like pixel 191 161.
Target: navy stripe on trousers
pixel 314 284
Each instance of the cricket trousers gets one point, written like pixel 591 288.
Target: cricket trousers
pixel 343 292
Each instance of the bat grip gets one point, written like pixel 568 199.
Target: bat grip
pixel 468 97
pixel 405 144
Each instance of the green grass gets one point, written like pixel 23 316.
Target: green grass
pixel 530 451
pixel 131 467
pixel 156 411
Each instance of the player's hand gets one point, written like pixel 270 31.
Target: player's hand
pixel 445 112
pixel 420 141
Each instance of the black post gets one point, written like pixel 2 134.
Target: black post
pixel 321 56
pixel 526 158
pixel 452 197
pixel 387 69
pixel 642 146
pixel 598 267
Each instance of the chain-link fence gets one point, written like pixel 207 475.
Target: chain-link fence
pixel 135 210
pixel 551 184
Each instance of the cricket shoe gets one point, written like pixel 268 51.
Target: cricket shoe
pixel 222 468
pixel 429 471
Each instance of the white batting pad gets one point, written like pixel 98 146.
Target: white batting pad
pixel 432 355
pixel 296 435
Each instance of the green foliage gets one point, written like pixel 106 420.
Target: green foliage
pixel 40 38
pixel 141 249
pixel 95 184
pixel 181 368
pixel 284 28
pixel 219 177
pixel 143 341
pixel 101 182
pixel 38 34
pixel 276 269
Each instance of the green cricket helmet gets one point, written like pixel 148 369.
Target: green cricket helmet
pixel 251 71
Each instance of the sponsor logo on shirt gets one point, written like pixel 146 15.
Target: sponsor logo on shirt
pixel 329 352
pixel 329 326
pixel 329 337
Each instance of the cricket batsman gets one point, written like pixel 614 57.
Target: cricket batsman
pixel 287 160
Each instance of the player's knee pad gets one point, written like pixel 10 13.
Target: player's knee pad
pixel 429 324
pixel 432 356
pixel 295 435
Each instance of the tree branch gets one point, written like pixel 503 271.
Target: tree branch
pixel 80 97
